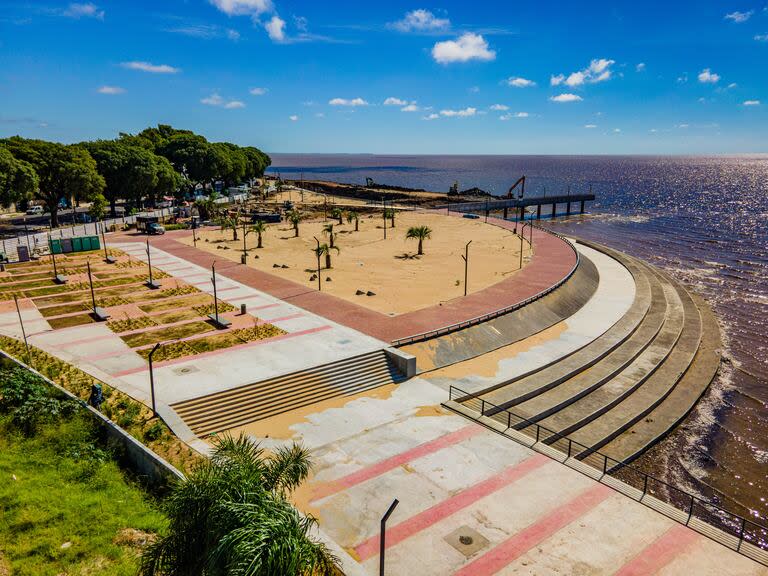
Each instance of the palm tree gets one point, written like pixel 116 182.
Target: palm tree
pixel 353 216
pixel 230 221
pixel 294 216
pixel 324 249
pixel 328 231
pixel 420 233
pixel 259 227
pixel 232 515
pixel 390 213
pixel 337 213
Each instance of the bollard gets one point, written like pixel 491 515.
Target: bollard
pixel 243 258
pixel 242 309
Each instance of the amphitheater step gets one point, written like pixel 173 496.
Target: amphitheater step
pixel 526 386
pixel 224 410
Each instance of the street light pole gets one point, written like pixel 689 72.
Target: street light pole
pixel 107 258
pixel 466 265
pixel 23 332
pixel 382 535
pixel 384 213
pixel 152 378
pixel 150 283
pixel 319 279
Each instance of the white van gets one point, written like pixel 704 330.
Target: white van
pixel 34 210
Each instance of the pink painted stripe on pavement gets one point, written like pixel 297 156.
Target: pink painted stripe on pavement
pixel 660 552
pixel 515 546
pixel 446 508
pixel 328 488
pixel 224 350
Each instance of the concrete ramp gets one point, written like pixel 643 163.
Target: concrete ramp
pixel 510 328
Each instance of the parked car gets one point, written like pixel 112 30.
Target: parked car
pixel 34 210
pixel 155 229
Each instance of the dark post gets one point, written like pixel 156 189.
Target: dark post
pixel 215 295
pixel 194 236
pixel 538 212
pixel 384 213
pixel 150 283
pixel 26 234
pixel 522 233
pixel 554 208
pixel 486 210
pixel 582 207
pixel 90 281
pixel 466 265
pixel 568 209
pixel 319 279
pixel 107 258
pixel 152 378
pixel 23 332
pixel 244 259
pixel 382 535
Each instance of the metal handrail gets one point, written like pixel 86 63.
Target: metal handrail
pixel 740 527
pixel 496 313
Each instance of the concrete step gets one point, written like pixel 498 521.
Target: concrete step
pixel 526 386
pixel 575 409
pixel 224 410
pixel 654 389
pixel 680 401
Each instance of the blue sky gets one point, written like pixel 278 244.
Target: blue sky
pixel 395 77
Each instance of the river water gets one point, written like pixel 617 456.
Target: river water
pixel 702 219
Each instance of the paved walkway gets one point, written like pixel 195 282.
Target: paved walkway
pixel 552 260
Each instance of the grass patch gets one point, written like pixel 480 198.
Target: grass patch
pixel 130 324
pixel 187 302
pixel 175 316
pixel 63 309
pixel 173 333
pixel 24 276
pixel 207 309
pixel 70 321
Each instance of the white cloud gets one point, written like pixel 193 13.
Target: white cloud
pixel 732 85
pixel 590 125
pixel 293 118
pixel 751 102
pixel 258 91
pixel 151 68
pixel 432 116
pixel 640 67
pixel 566 97
pixel 682 126
pixel 468 46
pixel 215 99
pixel 347 102
pixel 511 115
pixel 761 37
pixel 616 130
pixel 499 107
pixel 518 82
pixel 87 10
pixel 206 31
pixel 739 17
pixel 243 7
pixel 111 90
pixel 421 21
pixel 463 113
pixel 599 70
pixel 412 107
pixel 706 76
pixel 392 101
pixel 682 79
pixel 275 28
pixel 233 35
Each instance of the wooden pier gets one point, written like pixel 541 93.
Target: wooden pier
pixel 520 204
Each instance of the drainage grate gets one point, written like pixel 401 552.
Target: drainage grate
pixel 467 540
pixel 184 370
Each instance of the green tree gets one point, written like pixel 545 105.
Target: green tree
pixel 328 231
pixel 419 233
pixel 18 179
pixel 98 207
pixel 294 217
pixel 207 207
pixel 232 516
pixel 230 221
pixel 64 171
pixel 259 227
pixel 325 250
pixel 353 216
pixel 337 213
pixel 390 213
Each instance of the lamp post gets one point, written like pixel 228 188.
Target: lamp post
pixel 98 313
pixel 59 279
pixel 150 282
pixel 219 322
pixel 466 265
pixel 382 535
pixel 23 332
pixel 107 258
pixel 319 279
pixel 152 378
pixel 384 213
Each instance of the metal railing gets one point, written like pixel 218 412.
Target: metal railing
pixel 737 532
pixel 496 313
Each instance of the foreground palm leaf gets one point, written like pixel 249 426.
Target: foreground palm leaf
pixel 231 517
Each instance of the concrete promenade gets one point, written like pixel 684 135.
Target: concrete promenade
pixel 552 260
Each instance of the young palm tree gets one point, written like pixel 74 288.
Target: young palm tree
pixel 338 214
pixel 420 233
pixel 232 515
pixel 228 221
pixel 328 231
pixel 353 216
pixel 325 250
pixel 259 227
pixel 390 213
pixel 294 216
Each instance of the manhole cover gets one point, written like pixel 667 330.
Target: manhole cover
pixel 467 540
pixel 184 370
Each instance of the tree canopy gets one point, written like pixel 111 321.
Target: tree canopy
pixel 18 179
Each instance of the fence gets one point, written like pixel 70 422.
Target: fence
pixel 737 532
pixel 496 313
pixel 37 242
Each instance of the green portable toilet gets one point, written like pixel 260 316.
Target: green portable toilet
pixel 77 244
pixel 95 245
pixel 56 246
pixel 86 240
